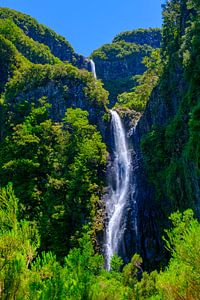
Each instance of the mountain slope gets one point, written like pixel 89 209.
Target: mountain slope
pixel 118 63
pixel 57 44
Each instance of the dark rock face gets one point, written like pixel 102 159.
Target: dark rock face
pixel 141 217
pixel 148 241
pixel 120 68
pixel 151 37
pixel 81 62
pixel 141 231
pixel 163 105
pixel 139 227
pixel 170 102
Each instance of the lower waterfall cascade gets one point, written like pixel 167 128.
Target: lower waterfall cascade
pixel 119 189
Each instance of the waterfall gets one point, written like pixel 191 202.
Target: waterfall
pixel 93 69
pixel 119 190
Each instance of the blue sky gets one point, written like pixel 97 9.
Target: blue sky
pixel 89 24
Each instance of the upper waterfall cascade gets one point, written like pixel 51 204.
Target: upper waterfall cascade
pixel 93 69
pixel 119 189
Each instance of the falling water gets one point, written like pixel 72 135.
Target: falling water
pixel 119 189
pixel 93 69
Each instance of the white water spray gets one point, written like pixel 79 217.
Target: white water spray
pixel 93 69
pixel 119 191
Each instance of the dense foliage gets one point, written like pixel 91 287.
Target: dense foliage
pixel 50 151
pixel 57 171
pixel 26 275
pixel 118 50
pixel 34 51
pixel 53 160
pixel 58 46
pixel 151 37
pixel 10 60
pixel 29 71
pixel 172 150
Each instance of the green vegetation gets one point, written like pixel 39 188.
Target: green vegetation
pixel 117 58
pixel 24 274
pixel 151 37
pixel 118 86
pixel 53 160
pixel 171 152
pixel 138 99
pixel 54 172
pixel 29 71
pixel 181 278
pixel 119 63
pixel 54 157
pixel 10 60
pixel 40 77
pixel 32 50
pixel 58 46
pixel 119 50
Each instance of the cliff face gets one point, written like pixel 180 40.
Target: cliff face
pixel 117 63
pixel 165 157
pixel 63 86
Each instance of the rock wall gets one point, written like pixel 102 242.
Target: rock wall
pixel 174 183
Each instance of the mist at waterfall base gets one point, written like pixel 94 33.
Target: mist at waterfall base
pixel 119 187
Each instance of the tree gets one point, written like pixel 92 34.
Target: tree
pixel 181 278
pixel 18 244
